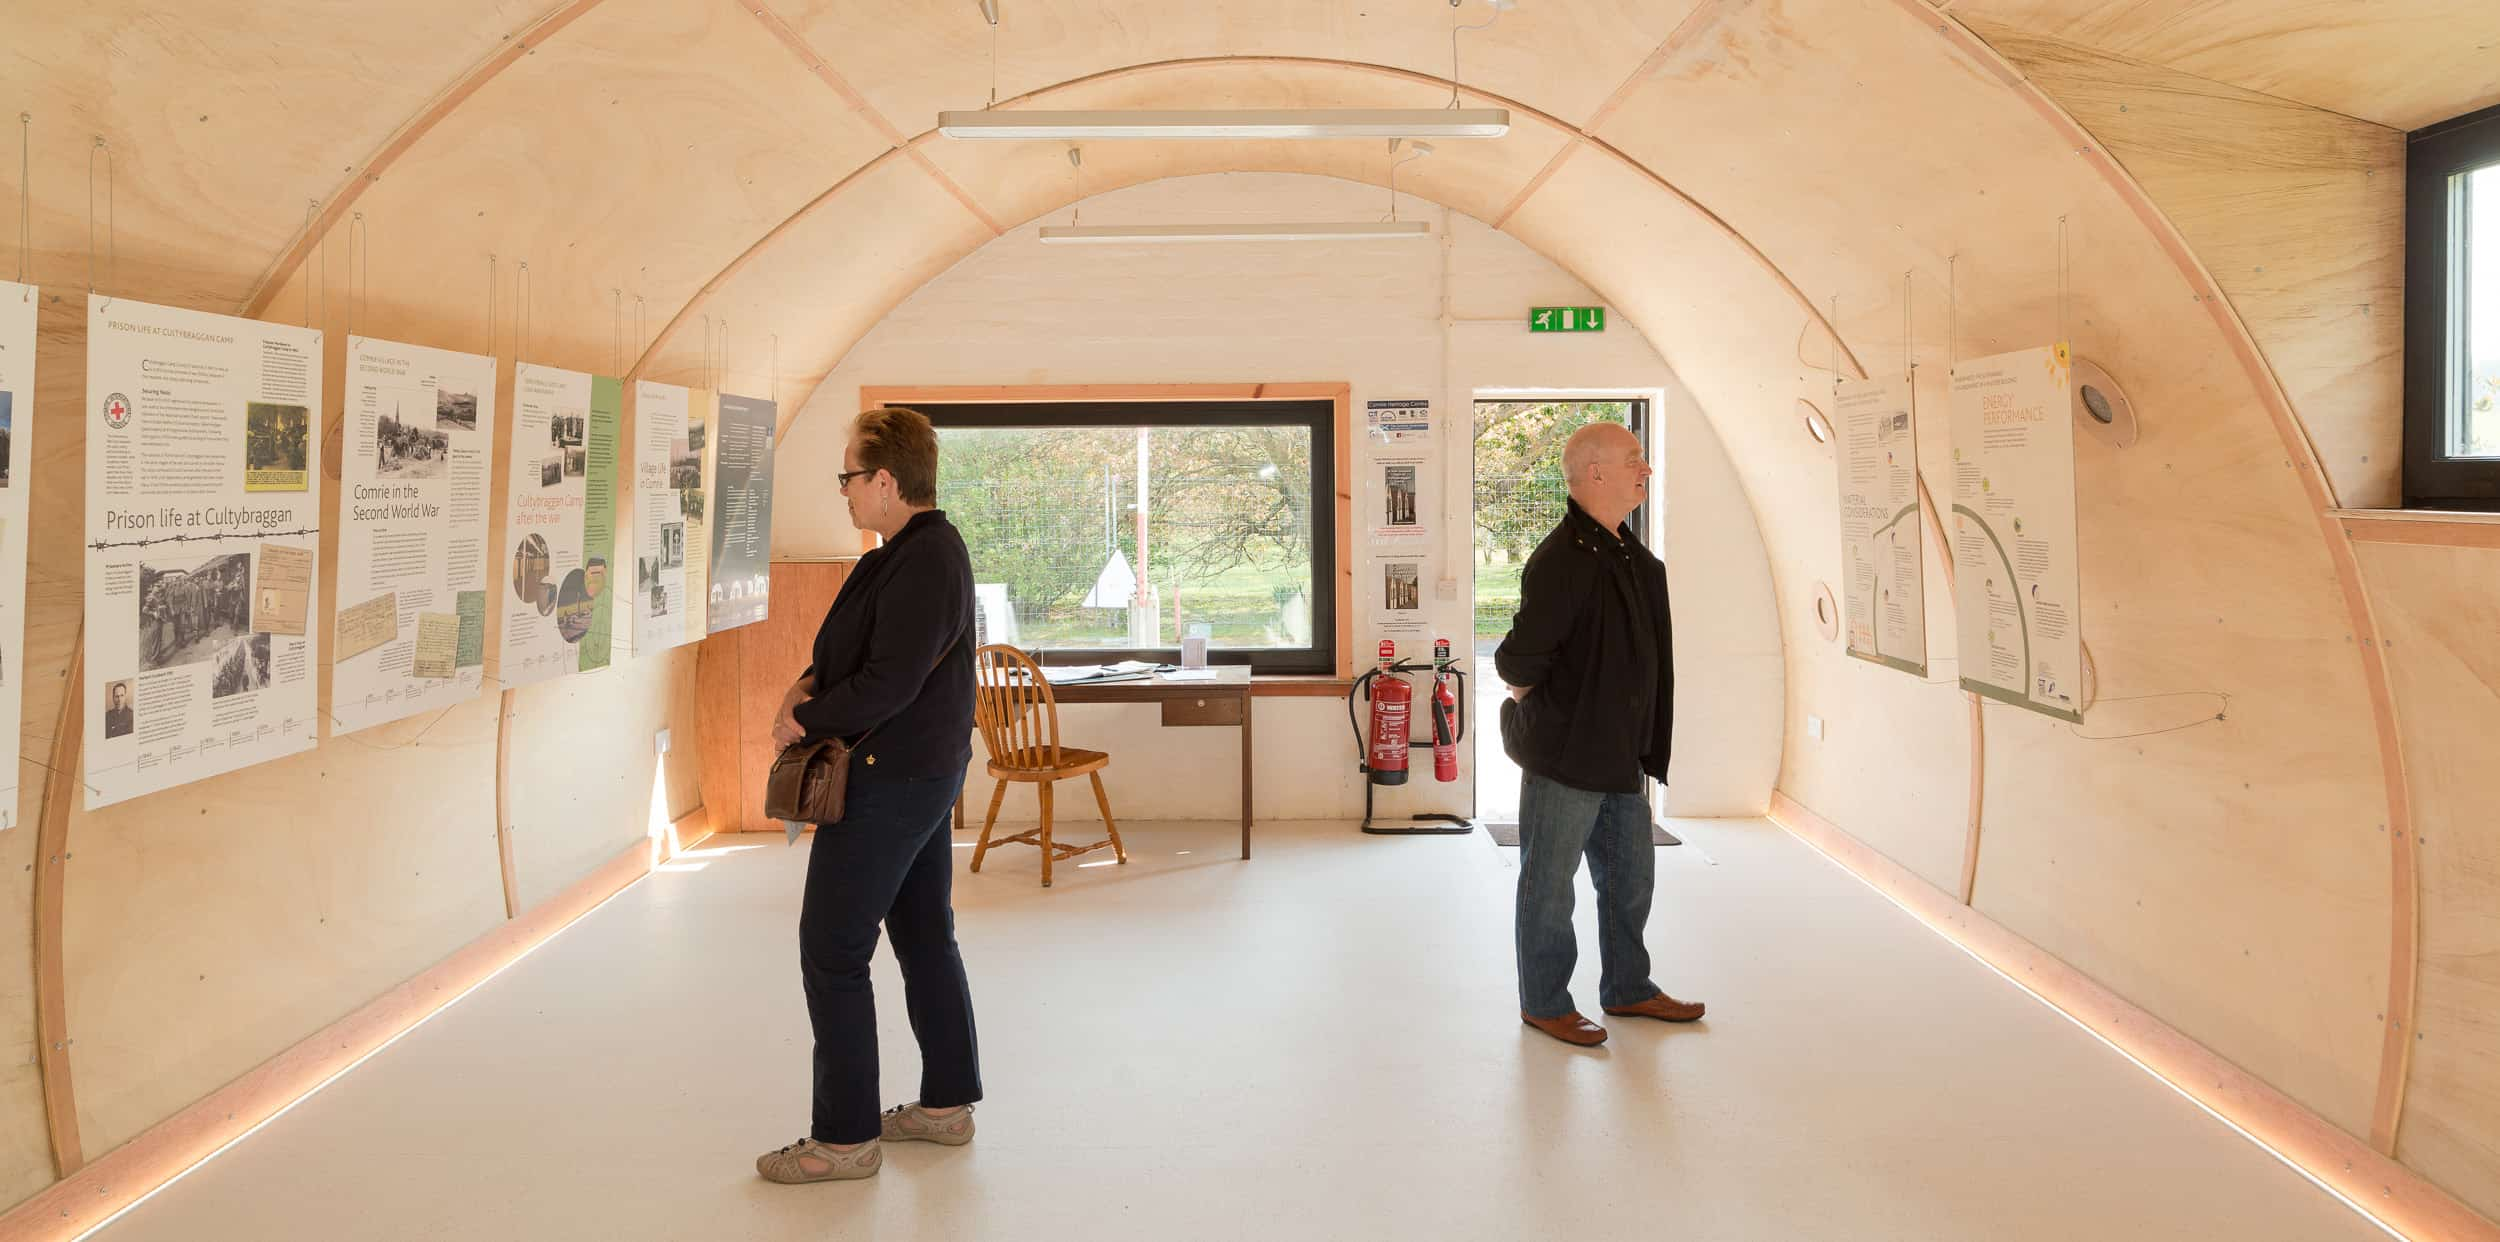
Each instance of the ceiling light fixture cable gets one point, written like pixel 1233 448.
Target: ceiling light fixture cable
pixel 1499 7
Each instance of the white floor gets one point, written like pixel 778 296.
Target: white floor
pixel 1320 1043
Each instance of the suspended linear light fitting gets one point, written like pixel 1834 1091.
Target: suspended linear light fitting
pixel 1242 124
pixel 1122 234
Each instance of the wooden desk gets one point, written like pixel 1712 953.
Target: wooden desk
pixel 1186 704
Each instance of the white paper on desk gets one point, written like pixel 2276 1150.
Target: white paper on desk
pixel 1132 666
pixel 1062 674
pixel 1190 674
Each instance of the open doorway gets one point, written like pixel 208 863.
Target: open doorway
pixel 1519 496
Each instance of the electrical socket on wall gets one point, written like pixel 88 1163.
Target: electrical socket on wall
pixel 1814 727
pixel 660 740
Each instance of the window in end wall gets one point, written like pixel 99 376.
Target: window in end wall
pixel 2452 314
pixel 1111 531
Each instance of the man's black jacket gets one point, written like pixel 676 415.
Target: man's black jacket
pixel 1594 642
pixel 877 662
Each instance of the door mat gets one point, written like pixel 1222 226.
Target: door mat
pixel 1506 832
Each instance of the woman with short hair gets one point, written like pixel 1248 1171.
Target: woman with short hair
pixel 893 676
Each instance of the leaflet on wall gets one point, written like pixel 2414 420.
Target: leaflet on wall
pixel 1398 422
pixel 742 528
pixel 2017 591
pixel 420 432
pixel 1398 600
pixel 1885 597
pixel 203 517
pixel 17 455
pixel 559 524
pixel 668 483
pixel 1397 517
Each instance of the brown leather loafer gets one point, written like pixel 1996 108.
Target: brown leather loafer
pixel 1663 1007
pixel 1570 1028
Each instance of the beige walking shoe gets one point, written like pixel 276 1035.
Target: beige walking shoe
pixel 905 1122
pixel 810 1161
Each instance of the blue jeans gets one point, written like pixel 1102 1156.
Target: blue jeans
pixel 890 861
pixel 1557 825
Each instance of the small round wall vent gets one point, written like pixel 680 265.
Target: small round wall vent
pixel 1826 612
pixel 1817 426
pixel 2101 407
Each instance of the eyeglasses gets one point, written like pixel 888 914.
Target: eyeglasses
pixel 843 479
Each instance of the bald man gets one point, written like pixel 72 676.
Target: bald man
pixel 1591 669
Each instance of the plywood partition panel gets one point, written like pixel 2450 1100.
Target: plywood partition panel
pixel 769 655
pixel 2441 609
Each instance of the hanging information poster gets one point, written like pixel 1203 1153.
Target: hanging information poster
pixel 1399 422
pixel 203 517
pixel 742 520
pixel 695 503
pixel 559 524
pixel 412 569
pixel 1398 610
pixel 1398 518
pixel 2017 592
pixel 17 456
pixel 1885 600
pixel 668 484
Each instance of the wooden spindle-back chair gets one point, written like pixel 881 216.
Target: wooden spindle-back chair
pixel 1019 721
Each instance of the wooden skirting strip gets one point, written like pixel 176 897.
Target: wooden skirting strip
pixel 2437 530
pixel 173 1146
pixel 2377 1186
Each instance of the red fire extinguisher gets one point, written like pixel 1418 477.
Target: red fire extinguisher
pixel 1444 714
pixel 1392 702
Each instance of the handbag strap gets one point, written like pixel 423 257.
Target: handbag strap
pixel 933 668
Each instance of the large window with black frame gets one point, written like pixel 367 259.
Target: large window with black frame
pixel 2452 314
pixel 1110 531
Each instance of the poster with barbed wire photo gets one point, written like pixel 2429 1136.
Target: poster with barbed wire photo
pixel 203 543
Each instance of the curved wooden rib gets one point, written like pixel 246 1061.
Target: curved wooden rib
pixel 60 795
pixel 282 269
pixel 1728 231
pixel 503 805
pixel 2404 933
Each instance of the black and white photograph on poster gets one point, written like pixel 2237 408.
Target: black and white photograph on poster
pixel 118 717
pixel 455 411
pixel 576 462
pixel 672 544
pixel 277 447
pixel 1401 586
pixel 573 607
pixel 242 667
pixel 189 612
pixel 685 461
pixel 8 419
pixel 407 449
pixel 565 430
pixel 1398 508
pixel 551 472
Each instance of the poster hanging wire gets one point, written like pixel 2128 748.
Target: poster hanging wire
pixel 525 292
pixel 491 274
pixel 112 269
pixel 1952 311
pixel 2061 283
pixel 616 327
pixel 359 243
pixel 1909 329
pixel 25 196
pixel 312 207
pixel 775 384
pixel 1831 339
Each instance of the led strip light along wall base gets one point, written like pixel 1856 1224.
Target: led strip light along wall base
pixel 1117 234
pixel 1285 123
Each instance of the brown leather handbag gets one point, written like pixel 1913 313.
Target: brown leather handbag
pixel 810 777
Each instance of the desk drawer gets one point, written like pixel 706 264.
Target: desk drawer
pixel 1203 710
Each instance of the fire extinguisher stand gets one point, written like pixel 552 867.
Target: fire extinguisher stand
pixel 1446 731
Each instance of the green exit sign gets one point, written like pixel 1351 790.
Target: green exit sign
pixel 1567 319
